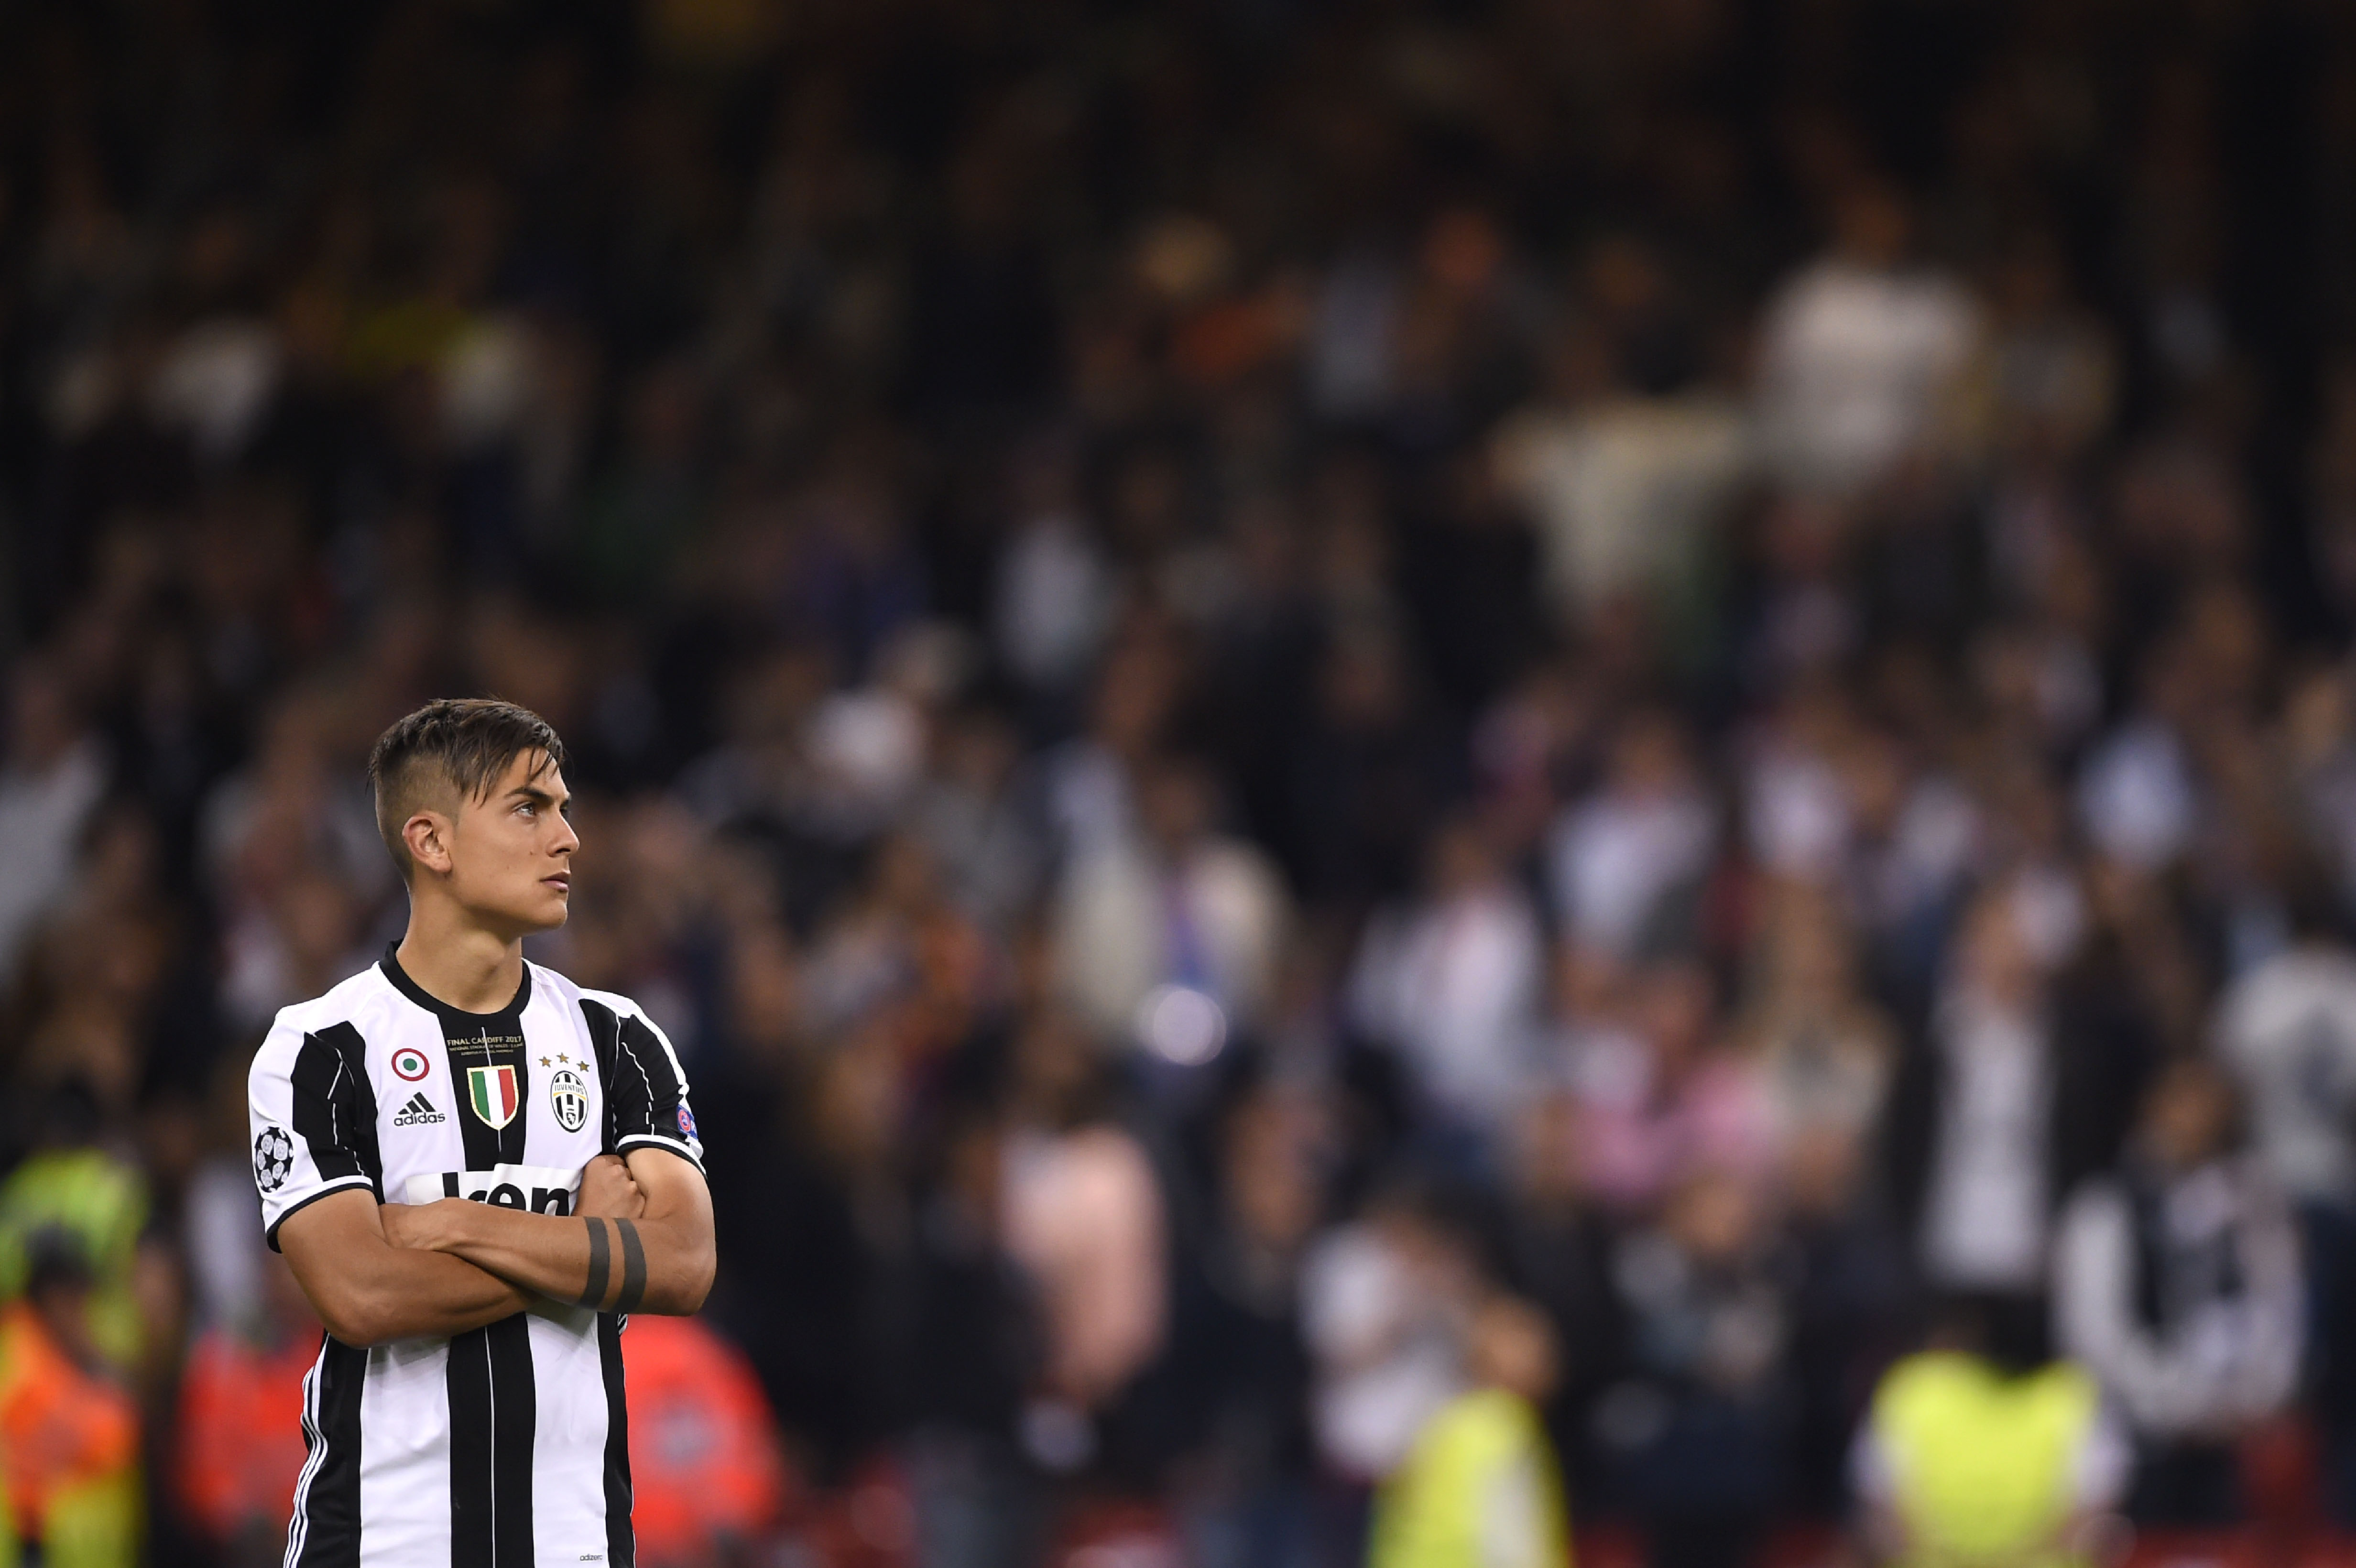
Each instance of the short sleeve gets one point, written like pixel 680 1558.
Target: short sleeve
pixel 649 1093
pixel 313 1116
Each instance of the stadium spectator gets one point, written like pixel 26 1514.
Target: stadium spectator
pixel 1384 1300
pixel 1154 925
pixel 1480 1484
pixel 1697 1429
pixel 2176 1286
pixel 1865 354
pixel 69 1432
pixel 1084 1216
pixel 1980 1447
pixel 53 780
pixel 240 1422
pixel 1988 1182
pixel 1556 1252
pixel 1629 861
pixel 1451 982
pixel 72 1186
pixel 1252 1501
pixel 707 1478
pixel 2286 1031
pixel 1664 1098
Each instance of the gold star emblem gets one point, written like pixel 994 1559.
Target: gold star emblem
pixel 543 1061
pixel 561 1057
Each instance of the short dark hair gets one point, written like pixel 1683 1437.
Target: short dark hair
pixel 55 1259
pixel 462 744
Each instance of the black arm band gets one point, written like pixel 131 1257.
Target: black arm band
pixel 634 1268
pixel 601 1265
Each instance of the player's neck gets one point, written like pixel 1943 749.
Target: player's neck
pixel 457 962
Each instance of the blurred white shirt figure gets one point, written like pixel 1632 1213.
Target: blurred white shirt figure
pixel 866 747
pixel 1864 358
pixel 1797 809
pixel 1647 835
pixel 2177 1279
pixel 1176 916
pixel 1453 981
pixel 1385 1305
pixel 2137 796
pixel 1796 804
pixel 215 382
pixel 1984 1213
pixel 1054 597
pixel 1625 489
pixel 2287 1031
pixel 50 783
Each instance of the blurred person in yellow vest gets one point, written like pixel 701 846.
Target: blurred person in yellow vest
pixel 1481 1488
pixel 69 1182
pixel 68 1436
pixel 1981 1452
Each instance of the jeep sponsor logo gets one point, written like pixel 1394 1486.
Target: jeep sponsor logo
pixel 532 1188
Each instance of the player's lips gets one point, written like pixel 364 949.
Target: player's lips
pixel 562 881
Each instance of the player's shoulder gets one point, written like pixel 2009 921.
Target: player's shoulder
pixel 586 1003
pixel 614 1002
pixel 359 999
pixel 551 986
pixel 362 1001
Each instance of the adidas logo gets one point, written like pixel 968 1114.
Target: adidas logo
pixel 417 1112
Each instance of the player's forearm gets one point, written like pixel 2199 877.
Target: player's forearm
pixel 545 1254
pixel 648 1265
pixel 677 1264
pixel 409 1294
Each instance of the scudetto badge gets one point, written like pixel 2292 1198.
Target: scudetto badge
pixel 493 1095
pixel 568 1097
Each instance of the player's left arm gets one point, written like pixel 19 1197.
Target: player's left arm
pixel 641 1244
pixel 675 1231
pixel 646 1247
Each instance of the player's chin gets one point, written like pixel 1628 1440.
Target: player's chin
pixel 546 910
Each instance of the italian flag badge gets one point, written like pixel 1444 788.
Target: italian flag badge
pixel 493 1093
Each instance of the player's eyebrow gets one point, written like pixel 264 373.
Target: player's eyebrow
pixel 539 797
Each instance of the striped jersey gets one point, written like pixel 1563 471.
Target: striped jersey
pixel 505 1446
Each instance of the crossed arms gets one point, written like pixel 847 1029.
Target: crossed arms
pixel 642 1238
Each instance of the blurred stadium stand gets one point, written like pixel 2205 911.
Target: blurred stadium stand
pixel 1239 675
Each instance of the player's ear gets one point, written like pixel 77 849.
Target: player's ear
pixel 427 835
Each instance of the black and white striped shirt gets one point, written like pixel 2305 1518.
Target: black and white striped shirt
pixel 507 1446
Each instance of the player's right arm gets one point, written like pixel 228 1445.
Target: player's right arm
pixel 367 1291
pixel 313 1119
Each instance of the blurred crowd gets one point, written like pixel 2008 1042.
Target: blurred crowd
pixel 1253 684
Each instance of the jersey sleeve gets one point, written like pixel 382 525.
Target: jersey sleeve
pixel 650 1093
pixel 313 1118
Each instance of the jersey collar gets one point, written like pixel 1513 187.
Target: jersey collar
pixel 390 964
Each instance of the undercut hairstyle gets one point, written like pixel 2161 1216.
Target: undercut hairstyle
pixel 450 751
